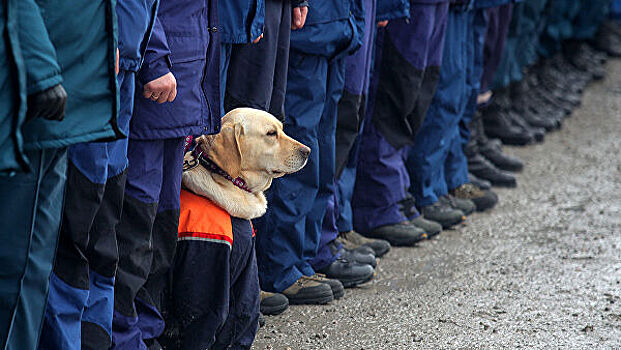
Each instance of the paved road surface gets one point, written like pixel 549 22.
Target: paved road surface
pixel 542 270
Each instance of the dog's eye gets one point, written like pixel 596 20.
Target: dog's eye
pixel 272 133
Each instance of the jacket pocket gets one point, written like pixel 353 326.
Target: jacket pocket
pixel 186 46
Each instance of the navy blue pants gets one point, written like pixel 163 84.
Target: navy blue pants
pixel 147 236
pixel 430 168
pixel 615 9
pixel 498 20
pixel 520 49
pixel 288 234
pixel 406 72
pixel 257 74
pixel 592 14
pixel 350 112
pixel 31 207
pixel 80 304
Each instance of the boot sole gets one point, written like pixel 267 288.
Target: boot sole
pixel 319 300
pixel 355 282
pixel 274 310
pixel 449 224
pixel 406 242
pixel 381 253
pixel 398 242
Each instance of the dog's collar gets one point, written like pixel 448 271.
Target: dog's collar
pixel 208 164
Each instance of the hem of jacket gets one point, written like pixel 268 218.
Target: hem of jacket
pixel 403 12
pixel 44 84
pixel 107 134
pixel 429 2
pixel 255 32
pixel 162 134
pixel 491 4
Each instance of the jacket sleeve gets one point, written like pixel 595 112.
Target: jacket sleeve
pixel 392 9
pixel 299 3
pixel 157 56
pixel 39 55
pixel 241 21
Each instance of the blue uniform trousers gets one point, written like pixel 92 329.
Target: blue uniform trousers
pixel 498 20
pixel 147 236
pixel 31 213
pixel 267 61
pixel 559 18
pixel 350 112
pixel 404 78
pixel 456 166
pixel 288 234
pixel 615 9
pixel 428 156
pixel 592 14
pixel 520 50
pixel 80 305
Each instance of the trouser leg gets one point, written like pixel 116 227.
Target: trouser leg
pixel 326 193
pixel 152 296
pixel 268 60
pixel 140 205
pixel 427 157
pixel 382 179
pixel 456 166
pixel 283 240
pixel 499 19
pixel 32 207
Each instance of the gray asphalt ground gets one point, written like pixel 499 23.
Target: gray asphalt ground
pixel 542 270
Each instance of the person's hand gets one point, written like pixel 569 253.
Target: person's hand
pixel 382 24
pixel 299 17
pixel 162 89
pixel 116 63
pixel 256 41
pixel 49 104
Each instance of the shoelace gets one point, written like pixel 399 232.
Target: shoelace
pixel 469 189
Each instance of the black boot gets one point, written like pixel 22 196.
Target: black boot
pixel 477 164
pixel 480 183
pixel 497 124
pixel 537 133
pixel 608 38
pixel 483 169
pixel 492 151
pixel 350 273
pixel 531 106
pixel 582 58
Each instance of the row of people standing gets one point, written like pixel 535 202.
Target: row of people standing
pixel 385 113
pixel 425 106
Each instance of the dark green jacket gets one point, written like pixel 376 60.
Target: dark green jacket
pixel 50 42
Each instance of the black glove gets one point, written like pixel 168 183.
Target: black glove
pixel 48 104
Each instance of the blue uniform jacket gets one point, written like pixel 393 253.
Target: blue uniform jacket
pixel 481 4
pixel 188 46
pixel 136 17
pixel 392 9
pixel 332 29
pixel 241 21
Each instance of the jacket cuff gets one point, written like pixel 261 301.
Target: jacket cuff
pixel 299 3
pixel 155 69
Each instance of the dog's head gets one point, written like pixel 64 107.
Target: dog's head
pixel 253 146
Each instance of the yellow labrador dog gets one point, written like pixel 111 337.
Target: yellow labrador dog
pixel 215 283
pixel 252 147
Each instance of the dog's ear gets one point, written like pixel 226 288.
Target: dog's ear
pixel 224 149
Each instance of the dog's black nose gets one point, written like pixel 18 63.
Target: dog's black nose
pixel 304 151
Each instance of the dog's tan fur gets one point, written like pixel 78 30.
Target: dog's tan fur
pixel 253 146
